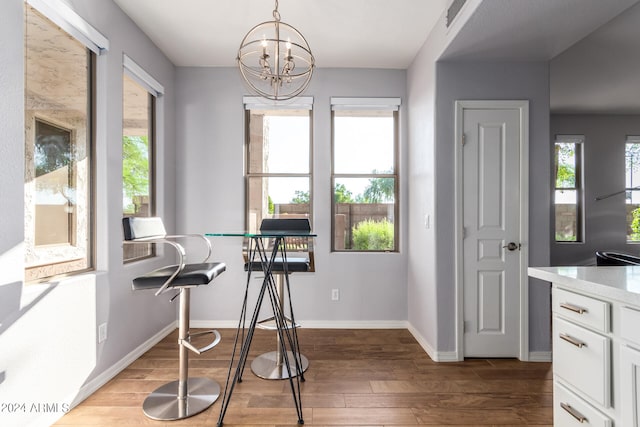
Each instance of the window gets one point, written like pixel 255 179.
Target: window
pixel 137 158
pixel 278 156
pixel 568 194
pixel 59 82
pixel 365 174
pixel 632 185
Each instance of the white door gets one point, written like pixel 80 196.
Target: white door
pixel 492 256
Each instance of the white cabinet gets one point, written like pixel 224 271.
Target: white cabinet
pixel 630 325
pixel 630 386
pixel 582 359
pixel 571 410
pixel 596 344
pixel 583 310
pixel 630 366
pixel 582 355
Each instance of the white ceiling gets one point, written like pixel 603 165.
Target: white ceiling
pixel 529 30
pixel 592 46
pixel 341 33
pixel 388 34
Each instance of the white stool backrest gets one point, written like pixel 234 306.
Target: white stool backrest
pixel 136 228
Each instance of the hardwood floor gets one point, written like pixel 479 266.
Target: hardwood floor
pixel 355 377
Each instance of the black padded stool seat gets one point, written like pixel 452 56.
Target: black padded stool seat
pixel 294 265
pixel 186 396
pixel 191 275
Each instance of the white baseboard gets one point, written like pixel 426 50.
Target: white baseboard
pixel 314 324
pixel 540 356
pixel 447 356
pixel 354 324
pixel 207 324
pixel 436 356
pixel 92 386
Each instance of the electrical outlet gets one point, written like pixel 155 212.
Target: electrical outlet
pixel 102 332
pixel 335 294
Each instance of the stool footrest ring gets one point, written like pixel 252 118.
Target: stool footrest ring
pixel 187 342
pixel 270 324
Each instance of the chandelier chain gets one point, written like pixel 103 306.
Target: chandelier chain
pixel 276 14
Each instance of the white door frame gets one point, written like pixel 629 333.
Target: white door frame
pixel 523 107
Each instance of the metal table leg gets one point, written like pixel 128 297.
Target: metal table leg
pixel 268 286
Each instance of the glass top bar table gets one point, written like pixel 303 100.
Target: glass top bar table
pixel 267 249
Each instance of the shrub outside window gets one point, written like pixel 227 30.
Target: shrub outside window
pixel 365 176
pixel 567 194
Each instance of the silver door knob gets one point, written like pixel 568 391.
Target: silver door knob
pixel 512 246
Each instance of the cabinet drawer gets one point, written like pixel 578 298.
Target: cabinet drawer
pixel 581 309
pixel 582 358
pixel 629 322
pixel 571 410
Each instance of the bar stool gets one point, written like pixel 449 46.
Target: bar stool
pixel 299 258
pixel 186 396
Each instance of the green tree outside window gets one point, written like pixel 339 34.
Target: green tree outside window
pixel 135 169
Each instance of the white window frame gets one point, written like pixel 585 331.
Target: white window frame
pixel 579 187
pixel 156 90
pixel 630 139
pixel 60 14
pixel 66 18
pixel 368 104
pixel 254 103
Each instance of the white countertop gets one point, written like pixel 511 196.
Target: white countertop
pixel 619 283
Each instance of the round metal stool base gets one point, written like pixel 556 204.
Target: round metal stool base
pixel 163 404
pixel 265 366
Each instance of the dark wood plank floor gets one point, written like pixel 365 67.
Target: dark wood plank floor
pixel 355 377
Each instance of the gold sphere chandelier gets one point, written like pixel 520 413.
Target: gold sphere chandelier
pixel 275 60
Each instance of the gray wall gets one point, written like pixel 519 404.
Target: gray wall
pixel 600 74
pixel 604 173
pixel 48 331
pixel 433 88
pixel 458 81
pixel 508 80
pixel 422 265
pixel 210 161
pixel 11 173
